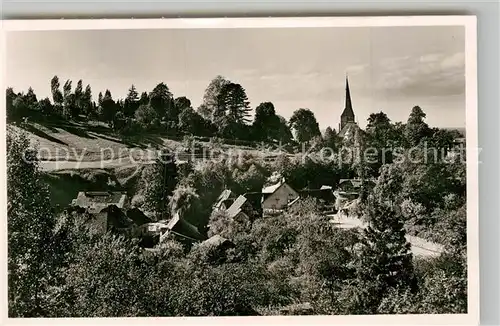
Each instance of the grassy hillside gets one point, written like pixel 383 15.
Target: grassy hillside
pixel 93 143
pixel 85 142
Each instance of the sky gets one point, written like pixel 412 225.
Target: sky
pixel 390 69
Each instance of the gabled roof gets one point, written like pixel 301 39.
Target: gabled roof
pixel 356 183
pixel 323 187
pixel 183 228
pixel 137 216
pixel 293 201
pixel 113 215
pixel 223 197
pixel 271 189
pixel 100 198
pixel 175 219
pixel 216 241
pixel 321 194
pixel 236 207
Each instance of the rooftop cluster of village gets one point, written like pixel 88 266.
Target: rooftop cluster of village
pixel 111 211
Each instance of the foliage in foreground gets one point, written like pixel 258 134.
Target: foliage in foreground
pixel 57 268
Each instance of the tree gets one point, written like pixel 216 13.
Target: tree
pixel 30 99
pixel 30 224
pixel 233 111
pixel 146 116
pixel 305 125
pixel 359 164
pixel 380 137
pixel 385 260
pixel 119 121
pixel 88 107
pixel 181 103
pixel 19 108
pixel 379 130
pixel 9 103
pixel 416 129
pixel 92 286
pixel 57 96
pixel 79 99
pixel 186 202
pixel 161 101
pixel 211 97
pixel 330 138
pixel 67 89
pixel 107 108
pixel 131 102
pixel 46 107
pixel 204 111
pixel 69 100
pixel 234 101
pixel 160 184
pixel 284 133
pixel 266 125
pixel 442 139
pixel 99 100
pixel 192 123
pixel 144 98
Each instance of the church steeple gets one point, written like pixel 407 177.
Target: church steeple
pixel 348 114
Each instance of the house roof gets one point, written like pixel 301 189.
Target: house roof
pixel 356 183
pixel 216 241
pixel 114 216
pixel 325 187
pixel 236 207
pixel 137 216
pixel 293 202
pixel 100 198
pixel 184 228
pixel 271 189
pixel 175 219
pixel 223 197
pixel 321 194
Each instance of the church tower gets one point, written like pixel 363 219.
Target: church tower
pixel 348 114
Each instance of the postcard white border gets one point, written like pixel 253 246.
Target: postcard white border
pixel 469 23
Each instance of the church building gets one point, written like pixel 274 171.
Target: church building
pixel 347 119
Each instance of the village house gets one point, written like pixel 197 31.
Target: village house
pixel 324 196
pixel 95 201
pixel 225 200
pixel 109 219
pixel 278 196
pixel 240 210
pixel 181 230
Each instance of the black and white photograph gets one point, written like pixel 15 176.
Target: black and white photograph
pixel 241 167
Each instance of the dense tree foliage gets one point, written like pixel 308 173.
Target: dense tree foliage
pixel 160 183
pixel 59 267
pixel 225 111
pixel 31 251
pixel 305 125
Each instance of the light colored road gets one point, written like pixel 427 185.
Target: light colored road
pixel 419 246
pixel 65 165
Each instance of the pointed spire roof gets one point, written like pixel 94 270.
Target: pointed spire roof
pixel 348 104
